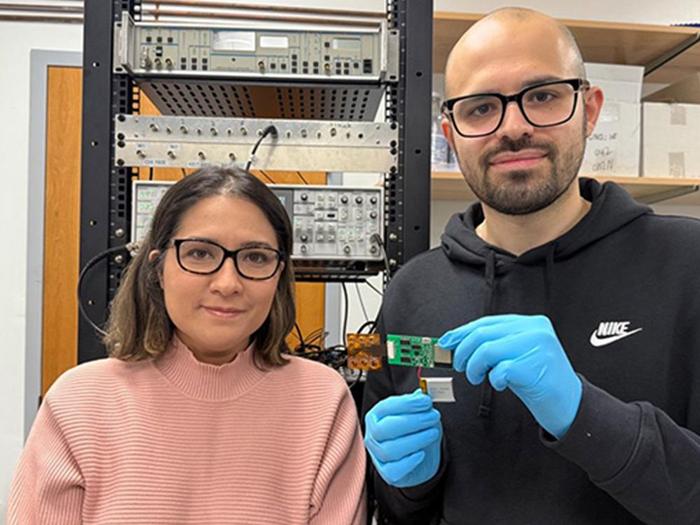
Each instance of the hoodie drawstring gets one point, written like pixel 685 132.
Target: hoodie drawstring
pixel 548 279
pixel 489 308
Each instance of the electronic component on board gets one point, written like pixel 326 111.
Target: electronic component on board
pixel 412 350
pixel 364 352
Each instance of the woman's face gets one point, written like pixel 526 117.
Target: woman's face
pixel 215 315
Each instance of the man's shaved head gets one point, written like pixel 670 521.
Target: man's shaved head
pixel 508 24
pixel 520 167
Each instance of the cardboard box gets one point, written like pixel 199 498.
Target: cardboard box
pixel 613 148
pixel 670 137
pixel 686 90
pixel 619 83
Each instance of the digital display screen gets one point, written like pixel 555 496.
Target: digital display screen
pixel 275 42
pixel 350 44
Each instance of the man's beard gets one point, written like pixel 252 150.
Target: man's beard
pixel 517 193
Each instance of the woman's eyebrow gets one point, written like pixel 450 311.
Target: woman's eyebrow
pixel 256 244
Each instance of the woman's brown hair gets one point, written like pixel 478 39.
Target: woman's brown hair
pixel 139 326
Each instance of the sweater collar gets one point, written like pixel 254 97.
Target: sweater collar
pixel 205 381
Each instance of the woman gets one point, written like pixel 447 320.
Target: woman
pixel 197 417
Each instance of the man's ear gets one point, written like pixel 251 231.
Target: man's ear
pixel 593 99
pixel 447 131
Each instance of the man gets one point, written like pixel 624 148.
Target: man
pixel 572 313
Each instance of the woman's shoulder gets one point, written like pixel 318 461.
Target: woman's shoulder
pixel 306 371
pixel 94 378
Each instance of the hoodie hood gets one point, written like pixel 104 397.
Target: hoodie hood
pixel 611 208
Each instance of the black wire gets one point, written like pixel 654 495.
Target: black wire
pixel 150 173
pixel 370 324
pixel 302 177
pixel 357 379
pixel 345 315
pixel 264 173
pixel 267 131
pixel 319 335
pixel 302 344
pixel 373 287
pixel 92 262
pixel 362 303
pixel 376 238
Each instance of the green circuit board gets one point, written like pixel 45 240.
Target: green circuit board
pixel 414 350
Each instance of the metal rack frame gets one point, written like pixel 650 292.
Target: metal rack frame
pixel 105 188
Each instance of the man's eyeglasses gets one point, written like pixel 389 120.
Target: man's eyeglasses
pixel 543 105
pixel 204 257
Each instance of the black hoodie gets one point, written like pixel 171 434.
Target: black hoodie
pixel 633 452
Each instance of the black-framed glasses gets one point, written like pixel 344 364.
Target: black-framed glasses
pixel 543 105
pixel 204 257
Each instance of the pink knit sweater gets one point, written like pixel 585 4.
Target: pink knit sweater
pixel 178 441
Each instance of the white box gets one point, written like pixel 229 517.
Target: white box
pixel 670 138
pixel 619 83
pixel 613 148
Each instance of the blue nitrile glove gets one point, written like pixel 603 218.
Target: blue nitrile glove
pixel 523 353
pixel 403 436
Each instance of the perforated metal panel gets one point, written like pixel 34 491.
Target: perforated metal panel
pixel 226 99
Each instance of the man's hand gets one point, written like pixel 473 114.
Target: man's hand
pixel 522 353
pixel 403 437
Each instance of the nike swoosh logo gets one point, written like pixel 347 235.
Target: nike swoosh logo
pixel 602 341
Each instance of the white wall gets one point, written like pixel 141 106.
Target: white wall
pixel 16 41
pixel 633 11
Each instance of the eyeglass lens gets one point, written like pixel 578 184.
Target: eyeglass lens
pixel 542 105
pixel 204 257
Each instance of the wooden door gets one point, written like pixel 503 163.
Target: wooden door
pixel 61 222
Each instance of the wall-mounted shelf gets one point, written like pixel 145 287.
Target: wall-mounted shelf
pixel 651 46
pixel 450 185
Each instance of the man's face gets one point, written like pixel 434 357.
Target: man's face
pixel 520 168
